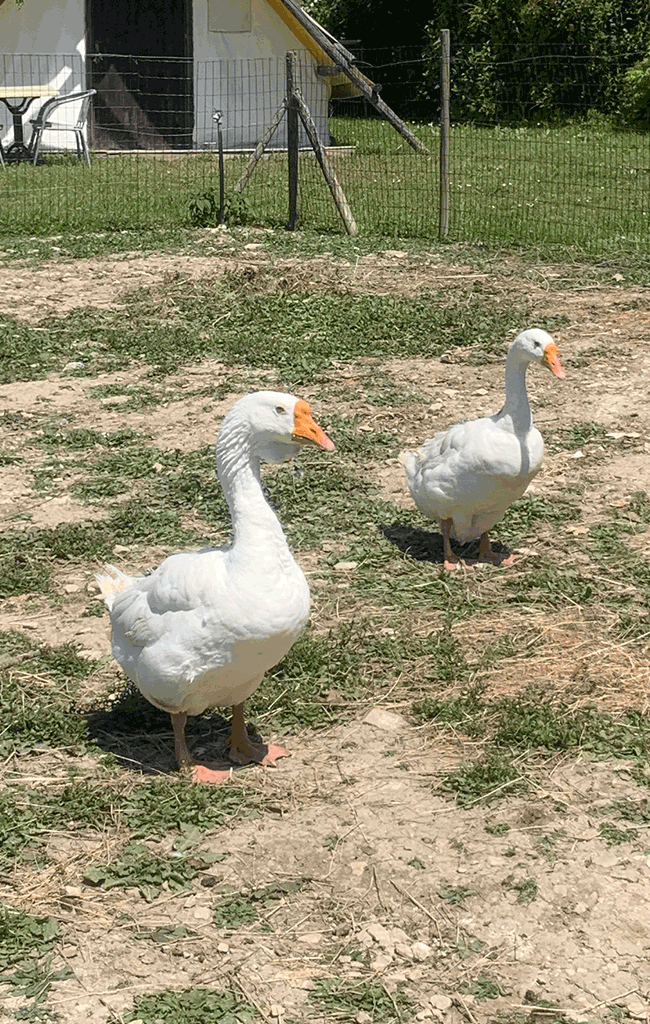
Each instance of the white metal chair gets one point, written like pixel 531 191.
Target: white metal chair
pixel 43 123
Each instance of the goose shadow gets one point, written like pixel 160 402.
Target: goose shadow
pixel 427 546
pixel 140 736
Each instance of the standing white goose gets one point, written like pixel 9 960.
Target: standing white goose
pixel 468 475
pixel 202 630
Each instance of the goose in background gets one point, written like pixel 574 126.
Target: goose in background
pixel 466 477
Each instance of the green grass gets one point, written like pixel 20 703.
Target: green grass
pixel 572 185
pixel 191 1006
pixel 26 944
pixel 344 1000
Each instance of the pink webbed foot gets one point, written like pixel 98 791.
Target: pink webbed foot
pixel 201 773
pixel 247 752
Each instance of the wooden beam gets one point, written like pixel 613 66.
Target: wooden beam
pixel 260 147
pixel 340 56
pixel 338 194
pixel 292 144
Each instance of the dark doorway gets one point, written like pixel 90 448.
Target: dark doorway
pixel 140 63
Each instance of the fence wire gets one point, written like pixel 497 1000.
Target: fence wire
pixel 535 157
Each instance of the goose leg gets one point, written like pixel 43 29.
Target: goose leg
pixel 242 750
pixel 451 560
pixel 198 772
pixel 486 554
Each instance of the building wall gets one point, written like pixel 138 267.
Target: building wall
pixel 240 70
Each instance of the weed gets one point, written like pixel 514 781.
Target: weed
pixel 296 691
pixel 165 804
pixel 613 835
pixel 529 510
pixel 345 1000
pixel 500 828
pixel 578 435
pixel 33 713
pixel 466 711
pixel 236 910
pixel 137 867
pixel 483 987
pixel 455 894
pixel 24 943
pixel 491 778
pixel 191 1006
pixel 526 889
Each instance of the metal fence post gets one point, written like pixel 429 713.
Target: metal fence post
pixel 444 132
pixel 292 143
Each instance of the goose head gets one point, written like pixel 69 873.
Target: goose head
pixel 536 346
pixel 273 425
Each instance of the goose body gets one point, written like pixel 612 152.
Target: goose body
pixel 203 628
pixel 466 477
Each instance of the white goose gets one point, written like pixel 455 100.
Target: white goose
pixel 468 475
pixel 202 629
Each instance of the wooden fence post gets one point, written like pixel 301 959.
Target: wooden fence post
pixel 445 49
pixel 292 143
pixel 338 194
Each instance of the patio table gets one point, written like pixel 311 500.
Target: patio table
pixel 23 94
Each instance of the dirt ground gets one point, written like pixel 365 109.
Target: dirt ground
pixel 356 809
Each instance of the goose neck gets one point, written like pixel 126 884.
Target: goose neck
pixel 516 404
pixel 253 520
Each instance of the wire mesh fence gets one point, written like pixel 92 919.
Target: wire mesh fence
pixel 534 156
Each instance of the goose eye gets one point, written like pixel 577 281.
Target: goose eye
pixel 280 409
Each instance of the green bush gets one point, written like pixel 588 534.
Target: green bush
pixel 635 94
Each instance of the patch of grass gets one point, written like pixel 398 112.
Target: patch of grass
pixel 165 804
pixel 297 691
pixel 352 439
pixel 578 435
pixel 466 712
pixel 526 889
pixel 614 836
pixel 500 828
pixel 455 894
pixel 234 910
pixel 137 867
pixel 482 987
pixel 529 510
pixel 552 586
pixel 344 1000
pixel 25 942
pixel 191 1006
pixel 35 711
pixel 493 777
pixel 55 436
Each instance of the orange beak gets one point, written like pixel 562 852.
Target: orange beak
pixel 550 359
pixel 306 430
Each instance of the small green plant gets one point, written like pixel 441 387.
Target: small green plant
pixel 346 1000
pixel 25 942
pixel 192 1006
pixel 500 828
pixel 483 987
pixel 137 867
pixel 492 777
pixel 203 210
pixel 526 889
pixel 233 911
pixel 455 894
pixel 614 836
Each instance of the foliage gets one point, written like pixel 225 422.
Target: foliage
pixel 192 1006
pixel 346 1000
pixel 137 867
pixel 539 41
pixel 635 94
pixel 203 210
